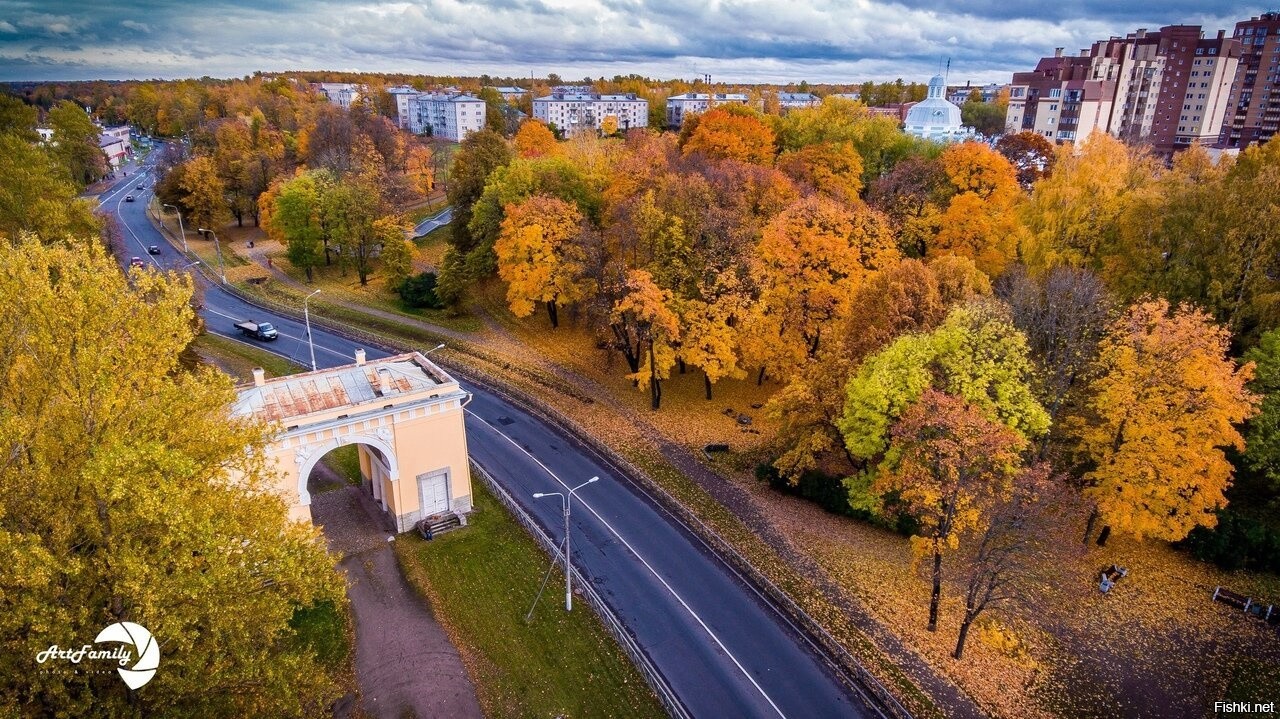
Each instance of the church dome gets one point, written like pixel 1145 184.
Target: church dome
pixel 936 118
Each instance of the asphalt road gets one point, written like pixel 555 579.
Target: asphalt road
pixel 725 652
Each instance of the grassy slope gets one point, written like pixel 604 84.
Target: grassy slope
pixel 481 581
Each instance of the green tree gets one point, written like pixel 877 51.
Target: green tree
pixel 975 354
pixel 75 139
pixel 494 118
pixel 116 504
pixel 395 252
pixel 18 118
pixel 1262 452
pixel 480 154
pixel 297 217
pixel 38 196
pixel 203 194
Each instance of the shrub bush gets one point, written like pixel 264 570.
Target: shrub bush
pixel 847 497
pixel 1239 541
pixel 420 291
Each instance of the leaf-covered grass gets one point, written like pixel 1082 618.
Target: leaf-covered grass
pixel 238 359
pixel 323 627
pixel 480 582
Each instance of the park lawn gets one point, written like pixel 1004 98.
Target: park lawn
pixel 431 247
pixel 238 359
pixel 480 582
pixel 325 628
pixel 334 284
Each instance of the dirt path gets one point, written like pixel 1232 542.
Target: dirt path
pixel 405 664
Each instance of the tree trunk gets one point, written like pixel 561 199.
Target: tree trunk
pixel 552 314
pixel 1104 535
pixel 655 387
pixel 310 278
pixel 1088 527
pixel 760 377
pixel 964 633
pixel 936 597
pixel 813 347
pixel 706 379
pixel 681 363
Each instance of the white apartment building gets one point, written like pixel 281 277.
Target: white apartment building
pixel 680 105
pixel 793 100
pixel 342 94
pixel 578 111
pixel 452 116
pixel 403 94
pixel 510 93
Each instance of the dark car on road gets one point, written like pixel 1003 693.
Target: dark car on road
pixel 128 198
pixel 142 187
pixel 153 250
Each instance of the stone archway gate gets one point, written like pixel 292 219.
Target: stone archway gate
pixel 404 414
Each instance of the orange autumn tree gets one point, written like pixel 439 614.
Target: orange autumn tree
pixel 420 169
pixel 980 222
pixel 1166 398
pixel 538 257
pixel 950 465
pixel 732 132
pixel 811 258
pixel 535 139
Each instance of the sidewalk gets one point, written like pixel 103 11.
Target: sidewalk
pixel 405 663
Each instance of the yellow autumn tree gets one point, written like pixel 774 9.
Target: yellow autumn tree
pixel 420 169
pixel 1167 397
pixel 832 168
pixel 538 257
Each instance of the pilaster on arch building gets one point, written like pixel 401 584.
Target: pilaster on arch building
pixel 403 413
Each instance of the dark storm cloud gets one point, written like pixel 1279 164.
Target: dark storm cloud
pixel 766 40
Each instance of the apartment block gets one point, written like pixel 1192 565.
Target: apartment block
pixel 793 100
pixel 1253 110
pixel 342 94
pixel 693 102
pixel 578 111
pixel 1168 88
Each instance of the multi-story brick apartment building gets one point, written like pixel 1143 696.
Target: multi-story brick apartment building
pixel 1253 111
pixel 1168 88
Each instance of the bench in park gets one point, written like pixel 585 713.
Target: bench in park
pixel 1267 613
pixel 1110 576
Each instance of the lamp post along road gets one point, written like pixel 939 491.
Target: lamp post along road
pixel 222 269
pixel 565 500
pixel 306 316
pixel 181 230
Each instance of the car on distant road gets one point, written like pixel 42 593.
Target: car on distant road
pixel 137 262
pixel 142 187
pixel 128 198
pixel 153 250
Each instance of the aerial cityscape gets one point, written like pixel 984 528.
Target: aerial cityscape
pixel 805 359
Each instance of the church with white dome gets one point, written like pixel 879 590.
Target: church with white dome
pixel 937 118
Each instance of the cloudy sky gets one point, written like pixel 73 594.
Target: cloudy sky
pixel 733 40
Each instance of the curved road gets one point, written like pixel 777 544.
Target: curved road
pixel 724 651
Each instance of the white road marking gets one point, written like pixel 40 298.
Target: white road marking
pixel 652 571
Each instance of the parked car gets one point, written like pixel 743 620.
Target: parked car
pixel 128 198
pixel 137 262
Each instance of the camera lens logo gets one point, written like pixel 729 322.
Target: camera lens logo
pixel 144 645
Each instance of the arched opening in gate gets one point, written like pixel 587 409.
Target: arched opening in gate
pixel 350 483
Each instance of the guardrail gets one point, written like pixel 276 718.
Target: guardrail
pixel 657 682
pixel 875 695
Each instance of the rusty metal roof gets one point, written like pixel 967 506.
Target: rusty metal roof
pixel 352 385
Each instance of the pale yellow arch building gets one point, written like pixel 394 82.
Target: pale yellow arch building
pixel 405 415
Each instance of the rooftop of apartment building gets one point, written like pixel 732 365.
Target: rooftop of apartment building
pixel 587 96
pixel 720 96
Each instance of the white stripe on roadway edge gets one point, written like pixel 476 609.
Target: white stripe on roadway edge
pixel 652 571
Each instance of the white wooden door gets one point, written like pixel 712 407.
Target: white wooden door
pixel 433 493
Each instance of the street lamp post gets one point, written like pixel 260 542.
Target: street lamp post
pixel 306 316
pixel 565 499
pixel 181 229
pixel 222 269
pixel 433 349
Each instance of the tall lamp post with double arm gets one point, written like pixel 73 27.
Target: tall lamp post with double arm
pixel 565 500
